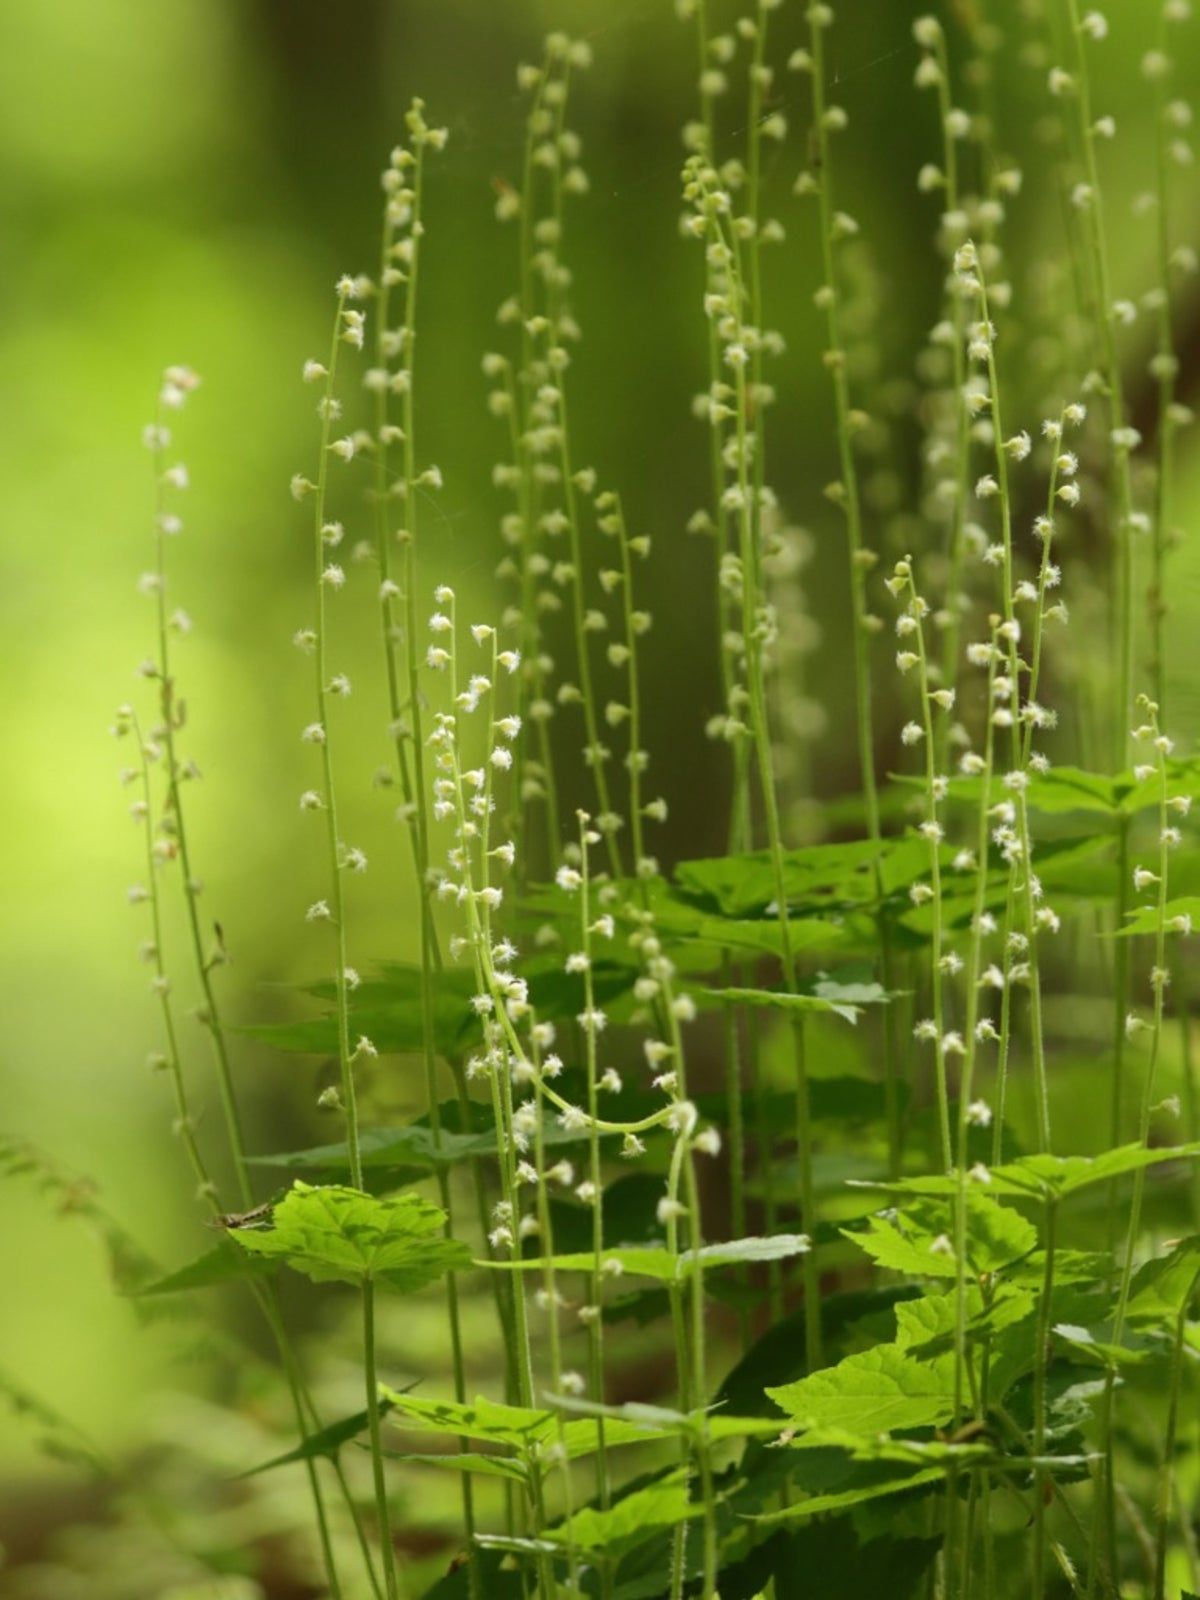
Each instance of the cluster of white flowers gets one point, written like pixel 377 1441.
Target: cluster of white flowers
pixel 542 531
pixel 1154 880
pixel 517 1058
pixel 734 407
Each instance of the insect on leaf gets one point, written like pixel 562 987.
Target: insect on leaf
pixel 339 1234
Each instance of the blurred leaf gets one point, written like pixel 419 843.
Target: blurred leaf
pixel 628 1205
pixel 501 1579
pixel 61 1439
pixel 1061 790
pixel 1071 1267
pixel 823 875
pixel 327 1442
pixel 678 920
pixel 887 1480
pixel 827 1559
pixel 1162 1289
pixel 654 1261
pixel 1146 920
pixel 388 1008
pixel 826 995
pixel 223 1263
pixel 337 1234
pixel 411 1148
pixel 1066 789
pixel 76 1195
pixel 470 1461
pixel 1101 1352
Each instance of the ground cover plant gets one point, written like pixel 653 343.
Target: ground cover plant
pixel 746 1192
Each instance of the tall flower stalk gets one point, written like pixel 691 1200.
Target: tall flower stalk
pixel 933 71
pixel 1017 846
pixel 1171 120
pixel 170 480
pixel 328 577
pixel 1074 87
pixel 711 205
pixel 1155 880
pixel 835 226
pixel 970 1112
pixel 399 269
pixel 910 629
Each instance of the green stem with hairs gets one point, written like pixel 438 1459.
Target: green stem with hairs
pixel 1103 1546
pixel 860 559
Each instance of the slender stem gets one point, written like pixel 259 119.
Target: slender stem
pixel 595 1326
pixel 1164 367
pixel 337 911
pixel 962 420
pixel 860 558
pixel 971 1043
pixel 1000 1109
pixel 329 796
pixel 1104 1516
pixel 1106 316
pixel 381 1499
pixel 266 1295
pixel 1040 1358
pixel 1022 850
pixel 551 1296
pixel 1166 1480
pixel 595 752
pixel 808 1204
pixel 913 620
pixel 531 685
pixel 185 1127
pixel 684 1357
pixel 403 683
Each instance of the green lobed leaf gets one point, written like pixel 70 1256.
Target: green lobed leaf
pixel 1047 1177
pixel 873 1391
pixel 777 1356
pixel 521 1428
pixel 927 1325
pixel 918 1240
pixel 630 1520
pixel 331 1233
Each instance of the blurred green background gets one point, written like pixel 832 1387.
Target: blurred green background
pixel 183 182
